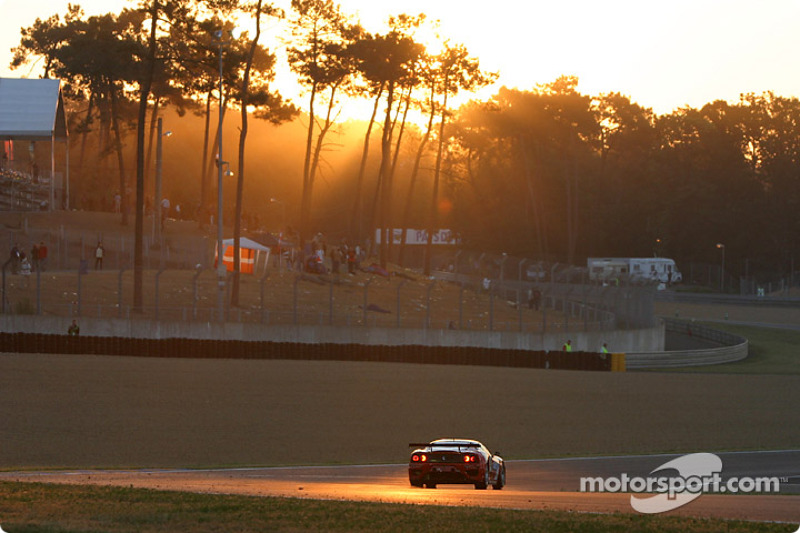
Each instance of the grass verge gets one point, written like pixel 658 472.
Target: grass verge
pixel 32 507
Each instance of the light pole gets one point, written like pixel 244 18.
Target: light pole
pixel 280 233
pixel 159 158
pixel 722 269
pixel 283 211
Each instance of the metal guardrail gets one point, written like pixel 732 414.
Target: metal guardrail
pixel 733 348
pixel 728 299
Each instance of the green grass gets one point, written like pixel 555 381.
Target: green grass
pixel 772 351
pixel 33 507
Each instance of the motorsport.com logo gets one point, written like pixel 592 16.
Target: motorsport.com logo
pixel 698 473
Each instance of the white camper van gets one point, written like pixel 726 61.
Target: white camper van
pixel 637 269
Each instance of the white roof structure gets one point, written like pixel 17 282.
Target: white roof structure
pixel 244 242
pixel 32 109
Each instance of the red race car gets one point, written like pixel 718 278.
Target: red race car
pixel 460 461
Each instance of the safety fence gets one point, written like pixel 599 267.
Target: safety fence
pixel 231 349
pixel 287 298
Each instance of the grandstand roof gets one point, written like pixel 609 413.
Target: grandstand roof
pixel 31 109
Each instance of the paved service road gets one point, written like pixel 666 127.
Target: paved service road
pixel 538 484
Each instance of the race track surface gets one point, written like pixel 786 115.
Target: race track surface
pixel 551 484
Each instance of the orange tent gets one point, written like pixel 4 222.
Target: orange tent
pixel 250 253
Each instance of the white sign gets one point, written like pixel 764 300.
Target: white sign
pixel 416 237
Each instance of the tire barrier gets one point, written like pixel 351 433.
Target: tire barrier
pixel 235 349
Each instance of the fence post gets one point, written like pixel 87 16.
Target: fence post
pixel 399 286
pixel 519 269
pixel 366 291
pixel 119 293
pixel 5 297
pixel 491 309
pixel 262 281
pixel 195 294
pixel 330 304
pixel 428 305
pixel 80 275
pixel 158 275
pixel 294 299
pixel 39 290
pixel 544 313
pixel 584 310
pixel 461 306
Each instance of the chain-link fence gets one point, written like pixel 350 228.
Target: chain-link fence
pixel 280 297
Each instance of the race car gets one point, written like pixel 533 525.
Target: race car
pixel 457 461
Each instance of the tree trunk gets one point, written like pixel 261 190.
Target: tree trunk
pixel 205 170
pixel 237 225
pixel 532 196
pixel 305 200
pixel 413 181
pixel 390 221
pixel 148 158
pixel 315 158
pixel 385 186
pixel 143 97
pixel 357 220
pixel 85 133
pixel 118 148
pixel 432 221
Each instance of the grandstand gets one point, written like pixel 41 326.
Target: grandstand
pixel 32 110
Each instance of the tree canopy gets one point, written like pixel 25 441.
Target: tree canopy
pixel 545 172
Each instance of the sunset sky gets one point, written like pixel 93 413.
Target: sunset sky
pixel 663 55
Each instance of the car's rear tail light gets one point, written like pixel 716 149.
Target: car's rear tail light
pixel 419 458
pixel 469 458
pixel 415 458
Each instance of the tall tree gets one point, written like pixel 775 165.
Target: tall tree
pixel 43 40
pixel 321 34
pixel 387 61
pixel 271 107
pixel 456 71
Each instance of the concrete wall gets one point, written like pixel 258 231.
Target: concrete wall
pixel 639 340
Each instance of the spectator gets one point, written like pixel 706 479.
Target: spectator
pixel 74 330
pixel 336 259
pixel 567 347
pixel 164 210
pixel 25 271
pixel 35 257
pixel 98 256
pixel 16 258
pixel 42 256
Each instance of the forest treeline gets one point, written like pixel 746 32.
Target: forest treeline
pixel 545 172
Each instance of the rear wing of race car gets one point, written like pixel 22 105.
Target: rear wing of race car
pixel 442 445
